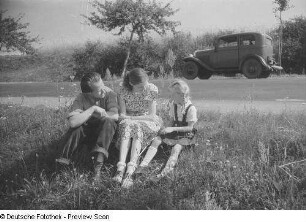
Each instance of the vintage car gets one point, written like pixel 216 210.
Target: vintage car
pixel 250 53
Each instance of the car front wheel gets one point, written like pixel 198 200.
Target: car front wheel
pixel 252 68
pixel 190 70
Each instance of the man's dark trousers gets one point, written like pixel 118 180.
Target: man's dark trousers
pixel 97 134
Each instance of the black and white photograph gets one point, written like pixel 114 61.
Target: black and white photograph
pixel 190 107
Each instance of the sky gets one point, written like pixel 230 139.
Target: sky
pixel 59 22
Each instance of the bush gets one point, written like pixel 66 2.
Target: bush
pixel 87 59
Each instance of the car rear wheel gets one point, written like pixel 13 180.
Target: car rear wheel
pixel 252 68
pixel 190 70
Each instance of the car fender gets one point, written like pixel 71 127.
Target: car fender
pixel 199 62
pixel 259 58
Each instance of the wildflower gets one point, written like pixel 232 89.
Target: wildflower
pixel 62 88
pixel 3 118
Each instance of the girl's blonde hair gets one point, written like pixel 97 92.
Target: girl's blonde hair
pixel 183 86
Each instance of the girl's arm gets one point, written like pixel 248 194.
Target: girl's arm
pixel 122 108
pixel 152 113
pixel 184 128
pixel 149 117
pixel 179 129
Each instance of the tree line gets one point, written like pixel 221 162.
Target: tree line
pixel 138 18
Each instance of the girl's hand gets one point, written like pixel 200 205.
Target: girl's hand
pixel 167 130
pixel 123 116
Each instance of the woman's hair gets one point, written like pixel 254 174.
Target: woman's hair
pixel 87 80
pixel 134 77
pixel 182 85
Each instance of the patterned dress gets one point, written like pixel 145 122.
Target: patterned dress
pixel 137 104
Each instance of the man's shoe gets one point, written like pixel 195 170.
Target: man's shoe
pixel 97 171
pixel 63 161
pixel 118 176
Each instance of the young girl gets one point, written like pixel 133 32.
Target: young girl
pixel 182 131
pixel 139 122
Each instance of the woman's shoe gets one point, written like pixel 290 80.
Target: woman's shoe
pixel 127 181
pixel 120 172
pixel 118 176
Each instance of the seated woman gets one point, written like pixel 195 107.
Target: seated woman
pixel 138 121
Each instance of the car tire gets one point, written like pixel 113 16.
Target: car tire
pixel 191 70
pixel 203 74
pixel 252 68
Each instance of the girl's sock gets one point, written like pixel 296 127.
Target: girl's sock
pixel 149 156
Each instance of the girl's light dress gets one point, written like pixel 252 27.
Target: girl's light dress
pixel 138 104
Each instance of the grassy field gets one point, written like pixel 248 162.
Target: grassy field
pixel 239 163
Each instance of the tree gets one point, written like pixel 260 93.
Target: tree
pixel 294 44
pixel 138 17
pixel 282 5
pixel 13 35
pixel 170 61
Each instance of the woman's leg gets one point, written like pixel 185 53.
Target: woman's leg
pixel 131 166
pixel 124 149
pixel 152 150
pixel 135 152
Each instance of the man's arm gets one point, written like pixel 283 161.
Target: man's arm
pixel 78 118
pixel 113 113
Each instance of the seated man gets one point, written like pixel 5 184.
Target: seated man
pixel 92 121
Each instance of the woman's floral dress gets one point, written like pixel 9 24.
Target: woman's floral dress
pixel 137 104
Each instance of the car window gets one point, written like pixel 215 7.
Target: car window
pixel 247 40
pixel 228 41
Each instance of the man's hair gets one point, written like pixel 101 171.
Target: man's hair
pixel 87 80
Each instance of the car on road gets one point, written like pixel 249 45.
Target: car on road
pixel 250 53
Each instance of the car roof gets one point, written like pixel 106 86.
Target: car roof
pixel 246 33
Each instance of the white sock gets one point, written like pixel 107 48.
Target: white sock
pixel 131 167
pixel 149 156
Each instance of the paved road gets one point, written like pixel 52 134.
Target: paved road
pixel 225 95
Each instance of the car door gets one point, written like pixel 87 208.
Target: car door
pixel 248 45
pixel 227 52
